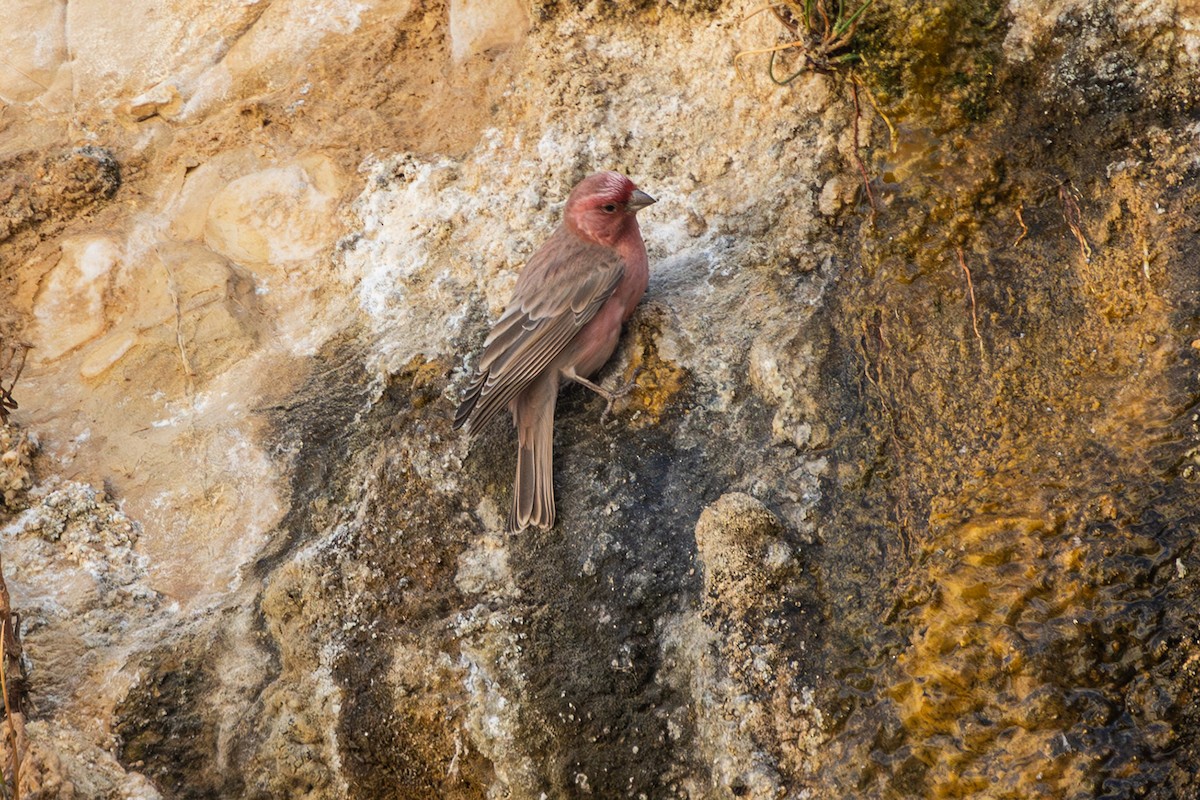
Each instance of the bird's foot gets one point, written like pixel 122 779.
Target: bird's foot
pixel 611 396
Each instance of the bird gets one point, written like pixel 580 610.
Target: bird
pixel 562 324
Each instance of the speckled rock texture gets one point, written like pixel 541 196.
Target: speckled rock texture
pixel 902 505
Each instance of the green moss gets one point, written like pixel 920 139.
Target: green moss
pixel 933 57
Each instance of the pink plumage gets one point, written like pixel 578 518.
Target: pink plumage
pixel 563 321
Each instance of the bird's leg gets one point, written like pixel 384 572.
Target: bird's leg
pixel 610 396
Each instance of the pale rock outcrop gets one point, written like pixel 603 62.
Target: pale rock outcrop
pixel 249 245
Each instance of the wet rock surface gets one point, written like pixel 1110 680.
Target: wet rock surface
pixel 902 505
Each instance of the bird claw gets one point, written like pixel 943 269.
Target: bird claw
pixel 613 395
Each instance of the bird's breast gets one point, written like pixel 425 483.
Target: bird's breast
pixel 637 273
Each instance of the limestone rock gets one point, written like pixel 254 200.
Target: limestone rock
pixel 70 308
pixel 34 43
pixel 162 100
pixel 480 25
pixel 172 45
pixel 275 216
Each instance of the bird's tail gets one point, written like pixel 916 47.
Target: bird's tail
pixel 533 491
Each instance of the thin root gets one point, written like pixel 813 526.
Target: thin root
pixel 767 7
pixel 764 50
pixel 1073 217
pixel 876 380
pixel 880 383
pixel 862 168
pixel 971 291
pixel 1024 227
pixel 893 137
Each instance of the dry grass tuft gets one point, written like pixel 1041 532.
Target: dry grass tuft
pixel 822 30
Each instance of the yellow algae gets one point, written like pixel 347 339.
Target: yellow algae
pixel 1021 418
pixel 658 379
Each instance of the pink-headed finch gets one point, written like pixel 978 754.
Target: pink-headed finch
pixel 563 322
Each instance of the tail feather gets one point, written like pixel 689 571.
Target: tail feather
pixel 533 490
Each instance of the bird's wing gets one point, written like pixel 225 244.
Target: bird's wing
pixel 559 291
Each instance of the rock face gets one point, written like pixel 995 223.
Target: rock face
pixel 902 506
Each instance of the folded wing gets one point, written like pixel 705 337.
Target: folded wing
pixel 559 291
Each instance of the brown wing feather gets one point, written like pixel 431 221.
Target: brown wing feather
pixel 559 291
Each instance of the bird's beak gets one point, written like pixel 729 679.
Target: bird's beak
pixel 639 200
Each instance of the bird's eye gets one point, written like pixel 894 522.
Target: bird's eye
pixel 609 208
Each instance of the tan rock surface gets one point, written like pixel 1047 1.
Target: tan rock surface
pixel 250 244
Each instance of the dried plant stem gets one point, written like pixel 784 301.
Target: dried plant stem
pixel 7 402
pixel 764 50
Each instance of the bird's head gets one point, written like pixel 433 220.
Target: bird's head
pixel 601 207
